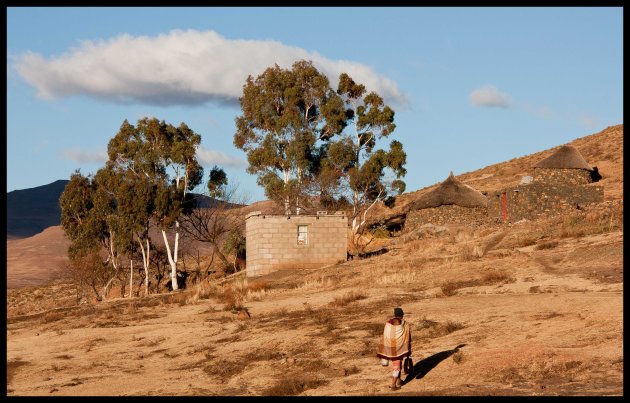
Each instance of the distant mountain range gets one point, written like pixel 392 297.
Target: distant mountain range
pixel 30 211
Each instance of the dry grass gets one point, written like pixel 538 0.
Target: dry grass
pixel 466 253
pixel 541 368
pixel 450 288
pixel 491 277
pixel 351 370
pixel 152 342
pixel 493 240
pixel 494 276
pixel 426 328
pixel 53 316
pixel 12 367
pixel 224 369
pixel 316 284
pixel 231 298
pixel 458 357
pixel 293 385
pixel 525 239
pixel 546 245
pixel 347 298
pixel 314 365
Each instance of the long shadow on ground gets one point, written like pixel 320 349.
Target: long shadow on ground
pixel 421 368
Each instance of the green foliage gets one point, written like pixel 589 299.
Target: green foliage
pixel 217 181
pixel 285 113
pixel 83 215
pixel 364 172
pixel 235 243
pixel 163 156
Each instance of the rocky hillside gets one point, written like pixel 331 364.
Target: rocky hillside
pixel 603 150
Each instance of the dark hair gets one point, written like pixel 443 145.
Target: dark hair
pixel 398 312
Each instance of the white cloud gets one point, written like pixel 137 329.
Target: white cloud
pixel 82 156
pixel 211 157
pixel 489 96
pixel 180 67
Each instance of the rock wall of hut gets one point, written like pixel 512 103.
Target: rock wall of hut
pixel 445 214
pixel 569 177
pixel 535 199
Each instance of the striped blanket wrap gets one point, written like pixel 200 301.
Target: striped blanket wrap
pixel 395 342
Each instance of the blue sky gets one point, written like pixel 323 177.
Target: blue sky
pixel 471 87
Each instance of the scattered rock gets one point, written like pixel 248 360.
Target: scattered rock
pixel 243 315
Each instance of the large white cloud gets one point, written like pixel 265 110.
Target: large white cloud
pixel 210 157
pixel 180 67
pixel 490 96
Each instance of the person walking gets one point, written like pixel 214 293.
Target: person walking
pixel 395 345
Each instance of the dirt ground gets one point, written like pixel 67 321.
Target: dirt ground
pixel 525 310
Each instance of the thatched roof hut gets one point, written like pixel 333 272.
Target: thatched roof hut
pixel 566 157
pixel 451 191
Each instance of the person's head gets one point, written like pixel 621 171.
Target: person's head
pixel 398 313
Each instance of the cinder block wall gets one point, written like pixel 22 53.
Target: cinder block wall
pixel 272 242
pixel 535 199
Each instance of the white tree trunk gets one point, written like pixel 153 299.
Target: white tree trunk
pixel 287 209
pixel 145 263
pixel 171 261
pixel 114 264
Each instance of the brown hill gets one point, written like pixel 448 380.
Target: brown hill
pixel 524 309
pixel 36 260
pixel 603 149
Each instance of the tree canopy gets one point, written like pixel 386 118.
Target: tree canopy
pixel 302 138
pixel 285 113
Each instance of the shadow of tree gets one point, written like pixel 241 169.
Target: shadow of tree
pixel 421 368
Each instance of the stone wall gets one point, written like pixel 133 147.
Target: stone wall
pixel 535 199
pixel 272 242
pixel 446 214
pixel 555 176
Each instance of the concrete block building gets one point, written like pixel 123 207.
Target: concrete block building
pixel 276 242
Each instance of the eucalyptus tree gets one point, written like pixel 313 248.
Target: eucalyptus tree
pixel 161 160
pixel 353 159
pixel 86 213
pixel 134 197
pixel 285 113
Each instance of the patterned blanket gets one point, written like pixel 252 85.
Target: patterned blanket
pixel 395 342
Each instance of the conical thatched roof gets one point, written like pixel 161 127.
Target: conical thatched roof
pixel 451 191
pixel 566 157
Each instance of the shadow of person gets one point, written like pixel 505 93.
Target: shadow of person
pixel 421 368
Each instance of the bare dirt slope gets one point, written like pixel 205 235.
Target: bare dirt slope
pixel 539 313
pixel 36 260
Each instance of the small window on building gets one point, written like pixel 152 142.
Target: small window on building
pixel 302 235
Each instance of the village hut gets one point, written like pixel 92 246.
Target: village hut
pixel 450 202
pixel 565 166
pixel 561 182
pixel 450 192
